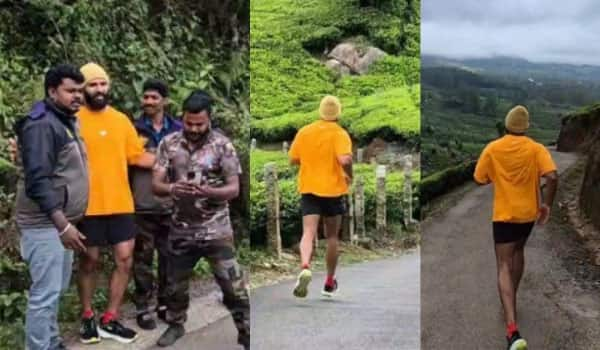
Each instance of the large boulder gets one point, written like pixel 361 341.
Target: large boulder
pixel 372 55
pixel 337 66
pixel 347 54
pixel 347 58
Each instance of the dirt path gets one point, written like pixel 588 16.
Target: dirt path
pixel 558 305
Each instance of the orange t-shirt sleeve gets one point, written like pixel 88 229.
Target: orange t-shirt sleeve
pixel 545 162
pixel 482 169
pixel 343 144
pixel 134 145
pixel 294 152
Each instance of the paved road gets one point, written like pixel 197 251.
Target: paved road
pixel 378 308
pixel 220 335
pixel 460 303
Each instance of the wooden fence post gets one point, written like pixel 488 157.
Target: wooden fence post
pixel 381 199
pixel 273 217
pixel 359 208
pixel 408 207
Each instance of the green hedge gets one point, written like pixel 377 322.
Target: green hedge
pixel 291 219
pixel 391 114
pixel 443 181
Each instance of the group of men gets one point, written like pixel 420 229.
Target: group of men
pixel 92 178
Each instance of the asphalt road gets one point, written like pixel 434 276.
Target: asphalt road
pixel 460 304
pixel 378 308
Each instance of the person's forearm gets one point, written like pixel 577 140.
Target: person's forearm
pixel 145 160
pixel 348 170
pixel 550 191
pixel 225 193
pixel 59 220
pixel 161 189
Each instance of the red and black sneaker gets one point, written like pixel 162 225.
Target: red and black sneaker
pixel 330 290
pixel 515 342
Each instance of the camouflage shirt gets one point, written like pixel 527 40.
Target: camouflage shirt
pixel 210 163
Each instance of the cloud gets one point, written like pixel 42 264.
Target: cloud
pixel 533 29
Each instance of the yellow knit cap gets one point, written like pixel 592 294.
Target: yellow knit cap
pixel 93 71
pixel 330 108
pixel 517 119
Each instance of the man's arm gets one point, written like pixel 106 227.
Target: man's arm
pixel 159 186
pixel 550 188
pixel 38 146
pixel 145 160
pixel 39 158
pixel 229 191
pixel 345 161
pixel 481 176
pixel 294 152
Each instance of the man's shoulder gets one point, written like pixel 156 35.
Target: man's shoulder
pixel 172 139
pixel 117 114
pixel 38 116
pixel 219 138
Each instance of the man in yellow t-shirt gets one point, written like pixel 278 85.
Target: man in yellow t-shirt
pixel 514 164
pixel 323 150
pixel 112 144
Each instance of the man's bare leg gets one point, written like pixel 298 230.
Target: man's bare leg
pixel 87 275
pixel 310 225
pixel 332 229
pixel 123 255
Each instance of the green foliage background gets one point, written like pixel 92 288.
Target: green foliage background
pixel 189 44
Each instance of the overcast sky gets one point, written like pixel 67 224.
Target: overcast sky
pixel 540 31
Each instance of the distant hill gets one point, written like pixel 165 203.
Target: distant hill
pixel 505 65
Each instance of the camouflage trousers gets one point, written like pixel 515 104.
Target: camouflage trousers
pixel 152 234
pixel 220 254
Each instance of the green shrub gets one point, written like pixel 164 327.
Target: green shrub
pixel 290 213
pixel 443 181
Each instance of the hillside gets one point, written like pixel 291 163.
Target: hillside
pixel 463 109
pixel 288 76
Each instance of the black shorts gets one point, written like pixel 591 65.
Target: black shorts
pixel 507 232
pixel 324 206
pixel 102 230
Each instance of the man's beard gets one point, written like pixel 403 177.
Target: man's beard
pixel 195 137
pixel 94 103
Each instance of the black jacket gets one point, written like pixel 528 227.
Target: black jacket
pixel 54 167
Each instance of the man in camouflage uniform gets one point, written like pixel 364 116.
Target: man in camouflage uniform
pixel 152 214
pixel 203 172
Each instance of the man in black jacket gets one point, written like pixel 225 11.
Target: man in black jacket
pixel 52 196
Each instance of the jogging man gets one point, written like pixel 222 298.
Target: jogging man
pixel 514 164
pixel 323 150
pixel 204 175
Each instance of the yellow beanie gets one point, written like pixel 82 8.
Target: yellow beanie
pixel 330 108
pixel 517 119
pixel 93 71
